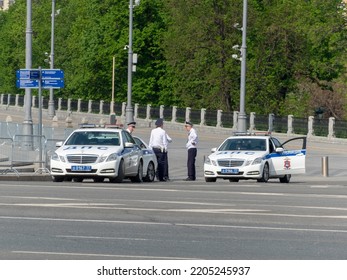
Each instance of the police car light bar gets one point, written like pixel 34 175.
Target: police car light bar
pixel 258 133
pixel 92 125
pixel 87 125
pixel 113 126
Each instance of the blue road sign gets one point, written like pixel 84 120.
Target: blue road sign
pixel 50 78
pixel 34 74
pixel 52 83
pixel 23 74
pixel 27 83
pixel 52 74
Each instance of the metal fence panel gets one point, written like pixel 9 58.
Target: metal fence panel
pixel 22 154
pixel 6 152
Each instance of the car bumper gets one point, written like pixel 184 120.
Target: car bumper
pixel 104 169
pixel 241 172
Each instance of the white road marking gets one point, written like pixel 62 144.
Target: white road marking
pixel 97 255
pixel 177 224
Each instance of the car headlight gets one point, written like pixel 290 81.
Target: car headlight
pixel 112 157
pixel 102 158
pixel 56 157
pixel 257 161
pixel 211 162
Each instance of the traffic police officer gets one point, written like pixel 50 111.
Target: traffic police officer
pixel 158 142
pixel 131 127
pixel 192 151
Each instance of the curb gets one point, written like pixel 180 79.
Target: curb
pixel 26 177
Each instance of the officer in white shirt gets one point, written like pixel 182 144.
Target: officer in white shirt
pixel 192 151
pixel 131 127
pixel 166 169
pixel 158 142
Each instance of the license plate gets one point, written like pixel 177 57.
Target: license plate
pixel 81 168
pixel 230 171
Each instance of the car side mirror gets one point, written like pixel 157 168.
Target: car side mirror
pixel 213 150
pixel 279 150
pixel 59 144
pixel 128 145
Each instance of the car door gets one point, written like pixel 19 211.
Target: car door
pixel 288 157
pixel 132 153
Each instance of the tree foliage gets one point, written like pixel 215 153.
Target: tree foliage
pixel 296 52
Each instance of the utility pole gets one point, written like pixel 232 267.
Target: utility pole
pixel 129 112
pixel 112 113
pixel 242 119
pixel 28 122
pixel 51 109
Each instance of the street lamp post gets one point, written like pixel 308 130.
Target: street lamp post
pixel 112 113
pixel 51 109
pixel 129 113
pixel 28 122
pixel 242 114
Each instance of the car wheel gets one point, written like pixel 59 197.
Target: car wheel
pixel 233 180
pixel 58 178
pixel 286 178
pixel 138 177
pixel 150 175
pixel 121 172
pixel 210 180
pixel 98 179
pixel 266 174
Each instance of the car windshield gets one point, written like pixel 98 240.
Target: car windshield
pixel 243 144
pixel 99 138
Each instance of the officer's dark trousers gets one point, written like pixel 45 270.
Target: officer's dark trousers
pixel 191 163
pixel 161 158
pixel 166 167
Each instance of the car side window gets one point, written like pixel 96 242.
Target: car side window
pixel 127 137
pixel 271 146
pixel 274 143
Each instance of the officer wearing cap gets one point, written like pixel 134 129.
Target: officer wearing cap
pixel 158 142
pixel 131 127
pixel 192 151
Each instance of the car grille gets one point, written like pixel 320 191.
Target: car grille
pixel 230 162
pixel 81 159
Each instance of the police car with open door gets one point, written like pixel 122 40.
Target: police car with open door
pixel 259 157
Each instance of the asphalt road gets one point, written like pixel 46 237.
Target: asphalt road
pixel 305 219
pixel 173 220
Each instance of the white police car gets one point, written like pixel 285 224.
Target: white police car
pixel 256 157
pixel 97 153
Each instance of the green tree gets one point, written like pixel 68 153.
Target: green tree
pixel 185 51
pixel 292 42
pixel 12 42
pixel 198 48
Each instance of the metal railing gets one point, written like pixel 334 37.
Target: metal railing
pixel 310 126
